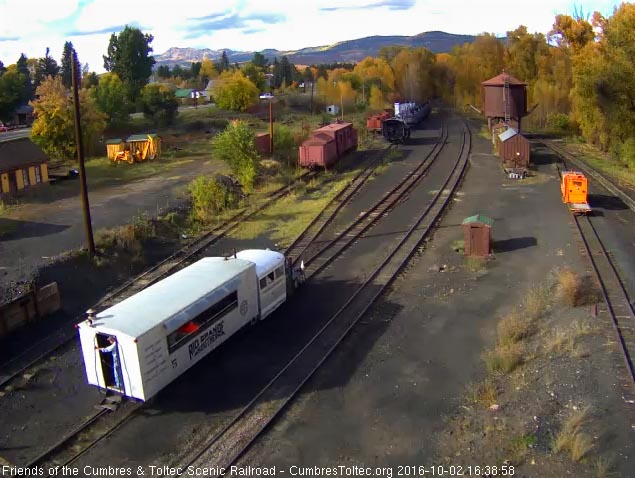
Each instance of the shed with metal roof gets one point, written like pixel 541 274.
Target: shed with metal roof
pixel 477 235
pixel 514 149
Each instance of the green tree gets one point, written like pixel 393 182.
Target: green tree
pixel 54 125
pixel 210 197
pixel 235 92
pixel 68 56
pixel 2 68
pixel 236 146
pixel 110 98
pixel 159 104
pixel 164 71
pixel 11 91
pixel 259 61
pixel 27 86
pixel 46 66
pixel 90 80
pixel 129 57
pixel 223 63
pixel 255 75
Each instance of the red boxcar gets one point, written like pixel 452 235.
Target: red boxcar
pixel 328 144
pixel 344 135
pixel 318 151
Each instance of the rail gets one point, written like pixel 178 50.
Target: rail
pixel 228 444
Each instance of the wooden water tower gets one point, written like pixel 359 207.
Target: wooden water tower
pixel 504 98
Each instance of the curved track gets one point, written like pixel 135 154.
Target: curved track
pixel 74 445
pixel 617 301
pixel 227 445
pixel 40 350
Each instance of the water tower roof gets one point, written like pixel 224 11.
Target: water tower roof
pixel 500 81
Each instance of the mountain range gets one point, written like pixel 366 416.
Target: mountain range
pixel 346 51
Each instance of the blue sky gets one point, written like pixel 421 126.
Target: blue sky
pixel 29 26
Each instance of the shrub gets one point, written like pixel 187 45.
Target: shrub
pixel 236 146
pixel 210 196
pixel 558 121
pixel 504 358
pixel 568 287
pixel 627 153
pixel 284 145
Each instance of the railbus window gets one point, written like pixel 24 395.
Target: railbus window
pixel 279 272
pixel 263 282
pixel 202 321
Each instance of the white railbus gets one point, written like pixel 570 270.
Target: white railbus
pixel 163 330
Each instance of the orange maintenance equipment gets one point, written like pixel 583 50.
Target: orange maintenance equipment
pixel 574 188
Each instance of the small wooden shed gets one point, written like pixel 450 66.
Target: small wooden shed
pixel 477 235
pixel 114 147
pixel 514 149
pixel 262 142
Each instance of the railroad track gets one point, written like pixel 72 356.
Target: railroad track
pixel 616 299
pixel 603 180
pixel 82 439
pixel 313 230
pixel 225 447
pixel 317 260
pixel 46 347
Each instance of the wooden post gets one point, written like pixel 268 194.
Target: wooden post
pixel 80 158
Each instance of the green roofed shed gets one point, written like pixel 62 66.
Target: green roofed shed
pixel 114 141
pixel 477 235
pixel 488 221
pixel 183 93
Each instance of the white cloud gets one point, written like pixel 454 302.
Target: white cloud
pixel 39 23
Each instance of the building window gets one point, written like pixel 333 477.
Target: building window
pixel 25 177
pixel 38 175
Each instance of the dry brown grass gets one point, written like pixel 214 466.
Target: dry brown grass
pixel 483 393
pixel 568 290
pixel 513 328
pixel 565 340
pixel 571 438
pixel 536 302
pixel 504 358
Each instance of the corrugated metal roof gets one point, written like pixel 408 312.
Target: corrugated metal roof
pixel 480 219
pixel 140 137
pixel 510 133
pixel 183 93
pixel 172 298
pixel 18 153
pixel 500 81
pixel 114 141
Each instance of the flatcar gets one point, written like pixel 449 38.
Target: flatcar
pixel 574 187
pixel 395 130
pixel 143 343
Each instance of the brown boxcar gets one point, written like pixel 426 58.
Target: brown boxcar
pixel 344 135
pixel 477 235
pixel 318 151
pixel 514 149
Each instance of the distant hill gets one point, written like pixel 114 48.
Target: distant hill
pixel 346 51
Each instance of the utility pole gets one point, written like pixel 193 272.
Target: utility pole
pixel 312 82
pixel 80 158
pixel 270 126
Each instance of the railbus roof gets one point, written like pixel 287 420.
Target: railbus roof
pixel 174 300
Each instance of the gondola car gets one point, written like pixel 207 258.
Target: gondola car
pixel 395 130
pixel 162 331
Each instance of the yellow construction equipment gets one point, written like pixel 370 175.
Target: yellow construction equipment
pixel 137 148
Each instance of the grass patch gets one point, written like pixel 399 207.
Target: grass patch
pixel 513 328
pixel 571 438
pixel 458 246
pixel 483 393
pixel 520 446
pixel 536 302
pixel 287 218
pixel 504 358
pixel 476 264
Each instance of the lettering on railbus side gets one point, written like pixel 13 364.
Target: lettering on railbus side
pixel 206 339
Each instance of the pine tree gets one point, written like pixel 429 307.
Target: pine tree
pixel 27 88
pixel 46 66
pixel 2 68
pixel 65 70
